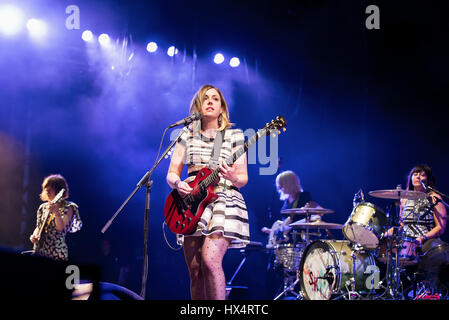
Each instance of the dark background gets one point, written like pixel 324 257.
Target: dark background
pixel 362 108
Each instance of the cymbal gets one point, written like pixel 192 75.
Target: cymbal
pixel 398 194
pixel 316 225
pixel 306 211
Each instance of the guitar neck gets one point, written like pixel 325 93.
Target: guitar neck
pixel 230 161
pixel 56 199
pixel 43 225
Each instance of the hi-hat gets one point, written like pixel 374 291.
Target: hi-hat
pixel 315 225
pixel 398 194
pixel 295 211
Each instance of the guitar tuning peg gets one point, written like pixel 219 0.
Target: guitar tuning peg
pixel 284 129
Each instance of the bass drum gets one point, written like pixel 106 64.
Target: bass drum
pixel 327 268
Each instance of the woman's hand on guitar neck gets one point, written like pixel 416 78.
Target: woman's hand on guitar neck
pixel 53 208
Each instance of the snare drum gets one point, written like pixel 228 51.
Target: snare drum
pixel 288 255
pixel 327 268
pixel 408 253
pixel 365 225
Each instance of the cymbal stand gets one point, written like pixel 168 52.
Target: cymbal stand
pixel 291 287
pixel 351 293
pixel 356 248
pixel 394 274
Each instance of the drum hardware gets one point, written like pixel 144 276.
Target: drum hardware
pixel 315 225
pixel 398 194
pixel 365 230
pixel 306 211
pixel 350 284
pixel 395 257
pixel 290 287
pixel 289 255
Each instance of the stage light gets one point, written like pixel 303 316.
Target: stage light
pixel 103 39
pixel 172 51
pixel 152 47
pixel 11 20
pixel 219 58
pixel 37 28
pixel 87 35
pixel 235 62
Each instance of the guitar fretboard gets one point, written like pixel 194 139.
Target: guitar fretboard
pixel 214 176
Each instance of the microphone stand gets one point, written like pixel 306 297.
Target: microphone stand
pixel 148 183
pixel 440 193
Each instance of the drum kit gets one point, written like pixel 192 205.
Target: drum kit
pixel 369 264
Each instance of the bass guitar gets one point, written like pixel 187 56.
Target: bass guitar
pixel 182 214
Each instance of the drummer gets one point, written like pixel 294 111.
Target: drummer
pixel 292 193
pixel 422 219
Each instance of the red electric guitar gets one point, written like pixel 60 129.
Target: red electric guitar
pixel 182 214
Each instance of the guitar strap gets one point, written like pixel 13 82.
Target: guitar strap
pixel 214 161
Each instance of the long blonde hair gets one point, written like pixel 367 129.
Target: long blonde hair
pixel 289 181
pixel 197 100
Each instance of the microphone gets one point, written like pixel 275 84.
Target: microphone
pixel 186 121
pixel 423 185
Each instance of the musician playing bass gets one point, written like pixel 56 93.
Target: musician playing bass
pixel 224 222
pixel 55 219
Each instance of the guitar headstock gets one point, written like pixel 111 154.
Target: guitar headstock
pixel 58 196
pixel 275 125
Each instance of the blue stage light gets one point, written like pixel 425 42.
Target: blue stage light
pixel 37 28
pixel 172 51
pixel 218 58
pixel 104 39
pixel 234 62
pixel 11 20
pixel 152 47
pixel 87 36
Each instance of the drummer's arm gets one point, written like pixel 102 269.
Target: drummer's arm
pixel 439 216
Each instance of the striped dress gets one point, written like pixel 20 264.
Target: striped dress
pixel 228 214
pixel 417 216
